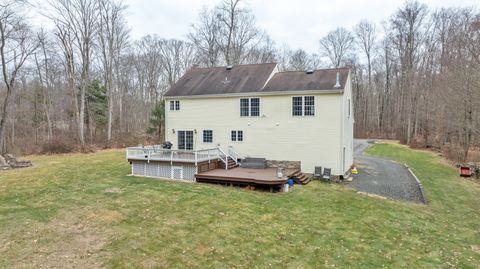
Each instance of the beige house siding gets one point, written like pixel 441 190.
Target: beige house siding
pixel 275 134
pixel 347 128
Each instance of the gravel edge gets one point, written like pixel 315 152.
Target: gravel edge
pixel 422 191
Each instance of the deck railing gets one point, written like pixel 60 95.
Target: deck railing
pixel 234 154
pixel 157 153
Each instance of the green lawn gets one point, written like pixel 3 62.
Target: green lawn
pixel 83 211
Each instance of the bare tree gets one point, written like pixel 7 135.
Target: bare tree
pixel 227 30
pixel 228 13
pixel 66 39
pixel 204 36
pixel 238 32
pixel 17 44
pixel 264 52
pixel 408 30
pixel 113 37
pixel 79 18
pixel 176 57
pixel 366 35
pixel 336 45
pixel 43 71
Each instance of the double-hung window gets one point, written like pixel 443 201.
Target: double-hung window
pixel 237 136
pixel 174 105
pixel 303 106
pixel 244 107
pixel 250 107
pixel 207 136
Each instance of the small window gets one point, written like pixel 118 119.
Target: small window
pixel 175 105
pixel 207 136
pixel 237 136
pixel 244 107
pixel 303 106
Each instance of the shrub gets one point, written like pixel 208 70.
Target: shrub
pixel 56 146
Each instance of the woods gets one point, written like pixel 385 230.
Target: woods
pixel 85 81
pixel 423 86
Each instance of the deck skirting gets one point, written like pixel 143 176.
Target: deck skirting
pixel 180 171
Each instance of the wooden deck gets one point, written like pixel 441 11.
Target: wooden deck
pixel 246 176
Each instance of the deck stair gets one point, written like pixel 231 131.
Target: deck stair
pixel 300 178
pixel 230 164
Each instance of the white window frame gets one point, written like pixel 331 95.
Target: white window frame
pixel 303 105
pixel 185 139
pixel 176 105
pixel 203 136
pixel 249 106
pixel 234 137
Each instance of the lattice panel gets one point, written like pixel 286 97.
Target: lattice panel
pixel 177 172
pixel 138 168
pixel 164 170
pixel 151 170
pixel 189 172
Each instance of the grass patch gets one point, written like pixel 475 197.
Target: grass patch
pixel 82 209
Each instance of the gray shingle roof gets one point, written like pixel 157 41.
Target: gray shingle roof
pixel 218 80
pixel 252 78
pixel 320 80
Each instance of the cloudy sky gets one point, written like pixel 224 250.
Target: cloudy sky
pixel 297 23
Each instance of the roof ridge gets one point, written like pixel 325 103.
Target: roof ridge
pixel 223 66
pixel 323 69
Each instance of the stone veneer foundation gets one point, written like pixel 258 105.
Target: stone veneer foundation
pixel 283 164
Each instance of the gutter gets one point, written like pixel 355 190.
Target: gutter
pixel 313 92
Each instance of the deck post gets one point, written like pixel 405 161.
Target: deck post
pixel 171 157
pixel 195 158
pixel 226 162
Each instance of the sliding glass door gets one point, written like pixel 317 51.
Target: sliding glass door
pixel 185 140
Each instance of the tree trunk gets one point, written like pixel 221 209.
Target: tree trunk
pixel 81 117
pixel 109 120
pixel 3 121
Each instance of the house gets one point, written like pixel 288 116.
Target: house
pixel 292 119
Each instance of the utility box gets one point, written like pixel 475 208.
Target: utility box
pixel 465 171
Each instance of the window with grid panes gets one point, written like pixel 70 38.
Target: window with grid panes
pixel 207 136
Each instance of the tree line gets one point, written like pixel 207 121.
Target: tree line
pixel 415 77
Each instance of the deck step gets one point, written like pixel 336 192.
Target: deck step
pixel 300 178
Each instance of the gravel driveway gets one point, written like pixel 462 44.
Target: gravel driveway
pixel 383 177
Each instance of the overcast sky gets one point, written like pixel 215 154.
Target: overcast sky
pixel 297 23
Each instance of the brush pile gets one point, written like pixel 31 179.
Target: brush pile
pixel 9 161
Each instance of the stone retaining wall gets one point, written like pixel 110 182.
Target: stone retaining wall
pixel 283 164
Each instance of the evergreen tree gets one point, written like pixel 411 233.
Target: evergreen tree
pixel 157 120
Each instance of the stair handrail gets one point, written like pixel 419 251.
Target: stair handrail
pixel 235 154
pixel 226 157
